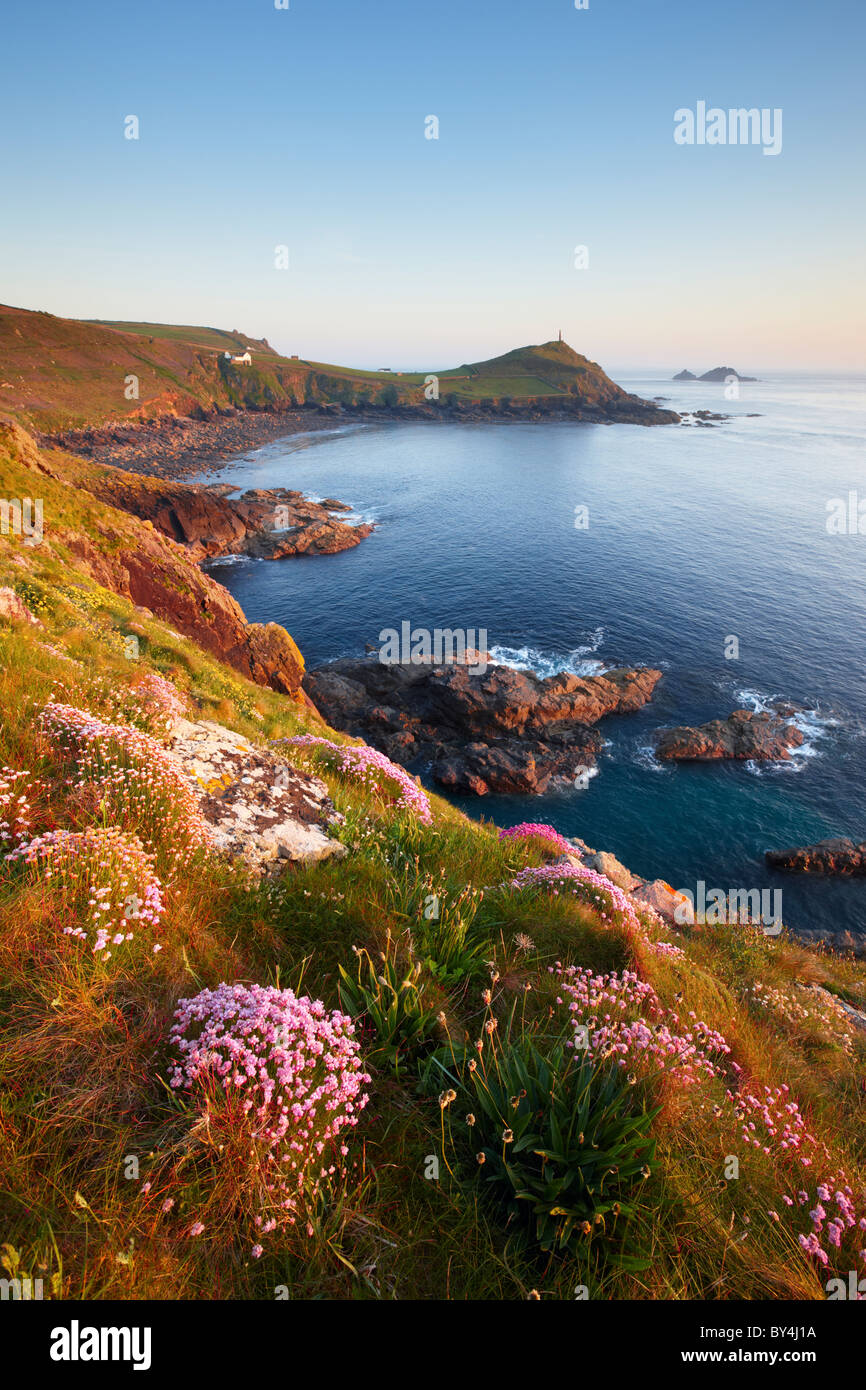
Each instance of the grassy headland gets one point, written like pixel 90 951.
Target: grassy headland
pixel 59 375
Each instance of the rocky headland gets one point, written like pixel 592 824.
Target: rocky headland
pixel 503 731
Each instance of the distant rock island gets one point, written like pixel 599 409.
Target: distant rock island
pixel 717 374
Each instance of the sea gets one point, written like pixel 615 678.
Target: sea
pixel 728 555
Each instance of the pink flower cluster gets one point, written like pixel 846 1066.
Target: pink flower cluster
pixel 150 702
pixel 15 809
pixel 555 876
pixel 139 780
pixel 773 1123
pixel 106 877
pixel 621 1016
pixel 667 949
pixel 538 831
pixel 369 766
pixel 290 1076
pixel 158 701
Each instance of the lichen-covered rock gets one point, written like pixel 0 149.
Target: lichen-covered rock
pixel 610 866
pixel 261 809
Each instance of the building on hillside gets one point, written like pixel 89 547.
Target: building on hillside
pixel 243 359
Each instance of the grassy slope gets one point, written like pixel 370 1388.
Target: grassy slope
pixel 83 1051
pixel 58 374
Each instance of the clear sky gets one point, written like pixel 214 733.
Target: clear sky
pixel 306 128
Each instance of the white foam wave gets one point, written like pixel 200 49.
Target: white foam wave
pixel 578 662
pixel 228 560
pixel 814 724
pixel 645 757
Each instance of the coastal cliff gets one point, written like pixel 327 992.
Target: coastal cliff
pixel 134 560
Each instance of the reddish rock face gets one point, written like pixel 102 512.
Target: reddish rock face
pixel 836 856
pixel 504 731
pixel 157 575
pixel 743 735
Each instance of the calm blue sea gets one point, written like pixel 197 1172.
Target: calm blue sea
pixel 695 535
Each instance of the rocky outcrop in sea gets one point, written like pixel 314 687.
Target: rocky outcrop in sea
pixel 745 734
pixel 505 730
pixel 839 856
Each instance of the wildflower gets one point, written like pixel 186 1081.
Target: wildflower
pixel 482 1157
pixel 470 1120
pixel 196 1228
pixel 364 763
pixel 291 1077
pixel 524 942
pixel 78 862
pixel 534 830
pixel 257 1252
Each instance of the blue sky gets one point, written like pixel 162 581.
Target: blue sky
pixel 262 127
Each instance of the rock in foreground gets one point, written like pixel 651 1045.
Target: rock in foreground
pixel 259 807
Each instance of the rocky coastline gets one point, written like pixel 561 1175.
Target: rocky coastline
pixel 265 523
pixel 175 446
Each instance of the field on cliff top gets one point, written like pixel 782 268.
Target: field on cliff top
pixel 517 1084
pixel 61 374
